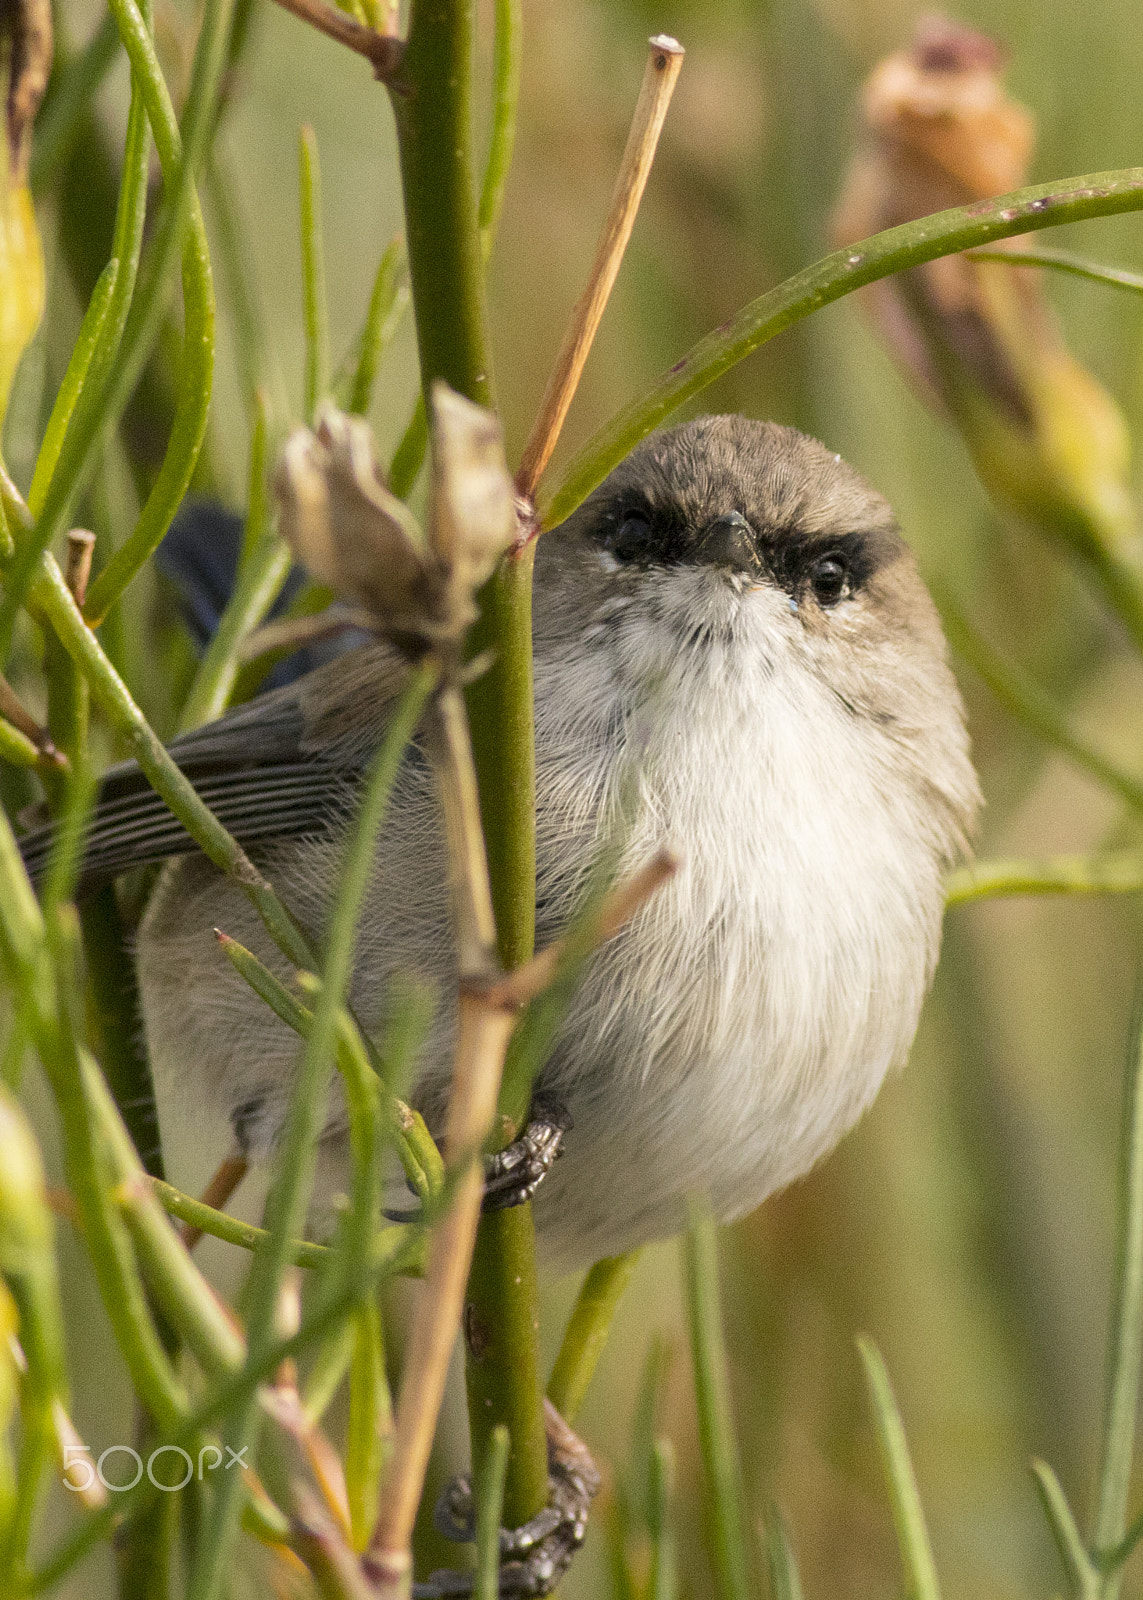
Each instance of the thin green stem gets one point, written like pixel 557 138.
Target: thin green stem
pixel 1125 1343
pixel 315 308
pixel 1065 261
pixel 442 231
pixel 944 233
pixel 447 277
pixel 726 1507
pixel 489 1514
pixel 1083 1578
pixel 86 344
pixel 52 601
pixel 908 1514
pixel 406 1127
pixel 181 154
pixel 220 1225
pixel 507 55
pixel 395 1248
pixel 664 1584
pixel 262 571
pixel 290 1190
pixel 587 1331
pixel 387 305
pixel 409 456
pixel 785 1580
pixel 369 1431
pixel 1110 872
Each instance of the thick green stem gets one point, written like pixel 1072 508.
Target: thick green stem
pixel 433 112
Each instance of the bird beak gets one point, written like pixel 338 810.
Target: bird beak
pixel 729 542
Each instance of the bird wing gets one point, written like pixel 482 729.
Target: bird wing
pixel 288 763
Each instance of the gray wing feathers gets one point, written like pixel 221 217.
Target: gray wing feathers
pixel 286 764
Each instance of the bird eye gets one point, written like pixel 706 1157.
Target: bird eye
pixel 630 539
pixel 829 579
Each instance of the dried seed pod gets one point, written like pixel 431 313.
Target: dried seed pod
pixel 342 522
pixel 979 341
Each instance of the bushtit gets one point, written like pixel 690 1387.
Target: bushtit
pixel 734 654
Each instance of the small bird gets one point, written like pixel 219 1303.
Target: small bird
pixel 735 655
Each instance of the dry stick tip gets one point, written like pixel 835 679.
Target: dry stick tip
pixel 664 62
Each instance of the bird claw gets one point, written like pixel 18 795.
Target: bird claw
pixel 534 1557
pixel 513 1174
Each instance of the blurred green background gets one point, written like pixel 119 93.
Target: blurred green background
pixel 967 1223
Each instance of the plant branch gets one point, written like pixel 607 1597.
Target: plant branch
pixel 1110 872
pixel 944 233
pixel 383 51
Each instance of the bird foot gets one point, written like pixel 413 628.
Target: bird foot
pixel 535 1557
pixel 513 1174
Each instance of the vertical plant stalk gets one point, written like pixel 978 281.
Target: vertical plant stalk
pixel 262 570
pixel 725 1497
pixel 316 382
pixel 446 268
pixel 290 1190
pixel 489 1515
pixel 587 1330
pixel 1125 1345
pixel 664 63
pixel 482 1040
pixel 905 1498
pixel 507 54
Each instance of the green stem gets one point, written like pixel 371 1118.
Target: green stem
pixel 1046 205
pixel 246 1235
pixel 181 154
pixel 1110 872
pixel 664 1584
pixel 87 342
pixel 1125 1345
pixel 724 1489
pixel 387 304
pixel 1083 1579
pixel 290 1190
pixel 114 1012
pixel 433 112
pixel 490 1514
pixel 507 54
pixel 262 571
pixel 316 311
pixel 785 1580
pixel 908 1514
pixel 433 115
pixel 587 1331
pixel 369 1431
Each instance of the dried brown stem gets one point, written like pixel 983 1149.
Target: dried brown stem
pixel 383 50
pixel 80 549
pixel 664 62
pixel 13 709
